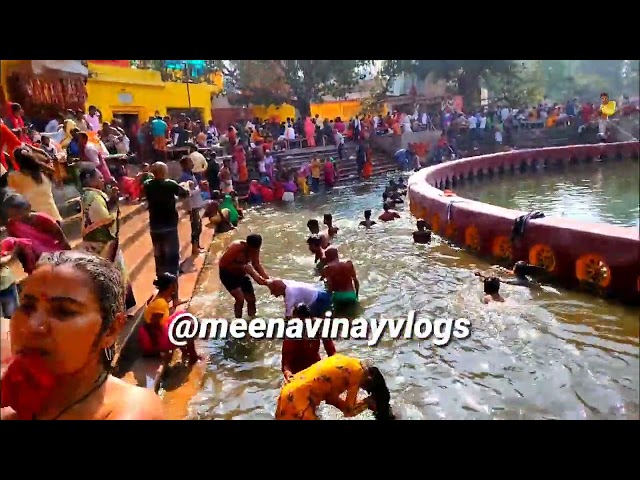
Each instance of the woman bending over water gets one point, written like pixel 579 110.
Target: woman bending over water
pixel 325 381
pixel 62 336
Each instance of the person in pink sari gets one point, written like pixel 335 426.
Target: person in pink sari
pixel 310 132
pixel 43 232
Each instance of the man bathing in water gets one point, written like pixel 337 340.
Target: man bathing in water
pixel 342 281
pixel 491 289
pixel 314 227
pixel 423 234
pixel 367 222
pixel 233 276
pixel 388 214
pixel 315 246
pixel 520 271
pixel 331 230
pixel 391 197
pixel 294 293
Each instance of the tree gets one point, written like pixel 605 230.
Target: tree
pixel 296 82
pixel 522 84
pixel 465 74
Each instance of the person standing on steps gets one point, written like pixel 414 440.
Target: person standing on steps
pixel 161 194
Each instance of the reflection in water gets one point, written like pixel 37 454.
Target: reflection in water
pixel 544 354
pixel 597 192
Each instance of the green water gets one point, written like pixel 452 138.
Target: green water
pixel 605 192
pixel 546 354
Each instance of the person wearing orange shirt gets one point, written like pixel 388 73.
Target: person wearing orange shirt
pixel 8 142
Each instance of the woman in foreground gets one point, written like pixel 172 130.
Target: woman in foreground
pixel 62 339
pixel 325 381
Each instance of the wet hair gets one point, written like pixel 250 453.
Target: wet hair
pixel 367 213
pixel 378 389
pixel 327 217
pixel 302 311
pixel 313 223
pixel 164 281
pixel 386 206
pixel 106 282
pixel 16 107
pixel 521 268
pixel 491 285
pixel 314 240
pixel 87 174
pixel 385 195
pixel 421 224
pixel 215 195
pixel 254 241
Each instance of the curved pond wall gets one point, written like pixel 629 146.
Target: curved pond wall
pixel 604 259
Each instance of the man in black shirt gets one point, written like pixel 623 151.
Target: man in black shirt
pixel 179 134
pixel 161 194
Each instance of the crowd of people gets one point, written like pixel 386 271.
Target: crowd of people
pixel 75 299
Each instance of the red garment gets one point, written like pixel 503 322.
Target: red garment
pixel 267 194
pixel 586 113
pixel 278 191
pixel 130 187
pixel 26 254
pixel 27 385
pixel 298 355
pixel 11 142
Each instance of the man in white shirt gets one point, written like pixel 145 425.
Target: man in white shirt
pixel 290 133
pixel 504 113
pixel 472 120
pixel 199 162
pixel 93 119
pixel 294 292
pixel 52 126
pixel 482 122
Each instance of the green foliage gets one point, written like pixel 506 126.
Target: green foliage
pixel 466 75
pixel 520 85
pixel 296 82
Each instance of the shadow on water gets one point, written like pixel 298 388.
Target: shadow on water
pixel 546 354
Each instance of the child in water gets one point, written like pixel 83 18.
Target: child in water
pixel 328 221
pixel 491 289
pixel 367 222
pixel 422 235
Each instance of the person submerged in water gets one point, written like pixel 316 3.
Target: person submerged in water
pixel 391 197
pixel 300 354
pixel 326 381
pixel 314 227
pixel 331 230
pixel 423 234
pixel 491 289
pixel 402 187
pixel 521 271
pixel 396 188
pixel 367 222
pixel 388 214
pixel 341 281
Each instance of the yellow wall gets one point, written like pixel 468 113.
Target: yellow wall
pixel 345 110
pixel 147 91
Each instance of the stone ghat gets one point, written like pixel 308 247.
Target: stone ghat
pixel 601 259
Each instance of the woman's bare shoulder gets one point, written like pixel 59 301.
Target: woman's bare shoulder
pixel 133 402
pixel 7 413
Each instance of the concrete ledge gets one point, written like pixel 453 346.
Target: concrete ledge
pixel 604 259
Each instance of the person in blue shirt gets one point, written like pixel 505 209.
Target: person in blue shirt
pixel 159 132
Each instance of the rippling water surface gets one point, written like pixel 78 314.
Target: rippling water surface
pixel 548 354
pixel 605 192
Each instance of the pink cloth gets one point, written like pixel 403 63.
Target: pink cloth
pixel 329 172
pixel 310 132
pixel 41 242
